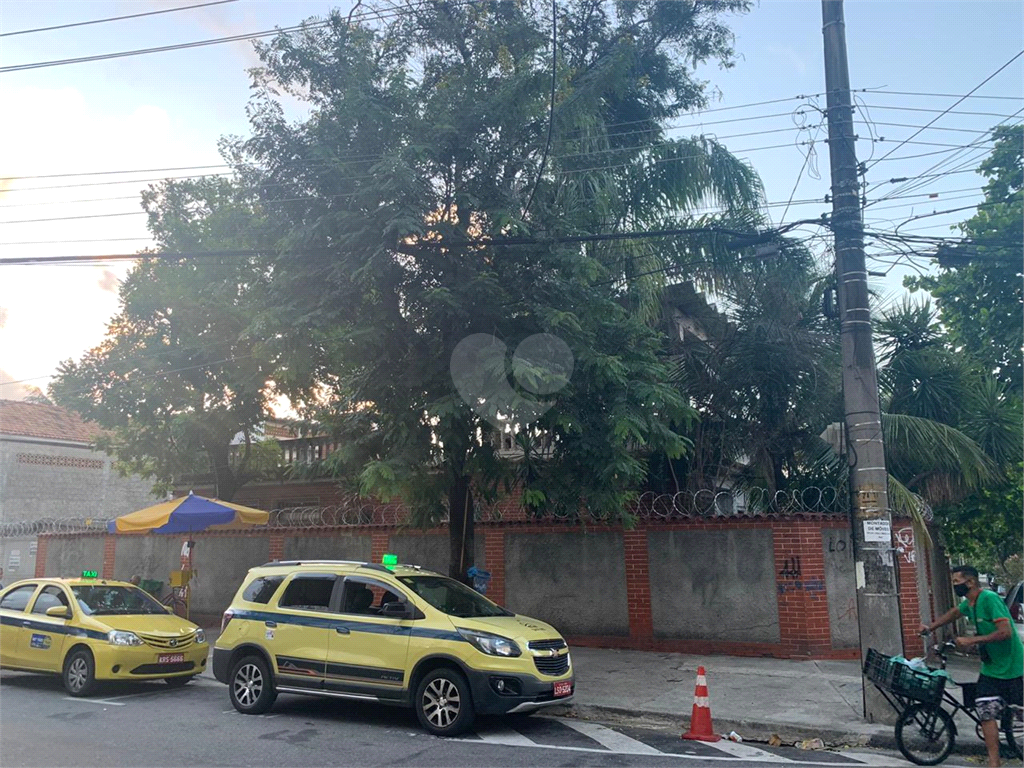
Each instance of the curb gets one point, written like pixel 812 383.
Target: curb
pixel 877 737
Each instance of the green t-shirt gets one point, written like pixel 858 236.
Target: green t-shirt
pixel 1006 657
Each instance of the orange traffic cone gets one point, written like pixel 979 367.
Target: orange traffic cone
pixel 700 720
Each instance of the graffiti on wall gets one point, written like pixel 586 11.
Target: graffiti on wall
pixel 905 543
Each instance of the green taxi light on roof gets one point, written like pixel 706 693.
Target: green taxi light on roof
pixel 389 561
pixel 89 574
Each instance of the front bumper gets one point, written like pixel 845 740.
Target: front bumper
pixel 114 662
pixel 528 693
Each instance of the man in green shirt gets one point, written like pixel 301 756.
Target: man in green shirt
pixel 1001 681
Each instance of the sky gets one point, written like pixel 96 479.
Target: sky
pixel 67 128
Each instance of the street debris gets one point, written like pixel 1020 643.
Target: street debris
pixel 811 744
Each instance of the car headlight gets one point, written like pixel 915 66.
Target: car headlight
pixel 200 636
pixel 492 645
pixel 117 637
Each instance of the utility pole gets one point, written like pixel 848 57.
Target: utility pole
pixel 878 610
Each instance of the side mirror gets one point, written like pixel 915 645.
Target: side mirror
pixel 170 610
pixel 397 609
pixel 59 612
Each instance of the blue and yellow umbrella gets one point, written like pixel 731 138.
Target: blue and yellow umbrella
pixel 188 514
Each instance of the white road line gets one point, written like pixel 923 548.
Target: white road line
pixel 745 751
pixel 615 741
pixel 104 702
pixel 507 737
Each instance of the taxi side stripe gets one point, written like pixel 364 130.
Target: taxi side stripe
pixel 54 629
pixel 349 624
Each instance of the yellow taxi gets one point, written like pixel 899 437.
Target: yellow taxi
pixel 88 629
pixel 395 634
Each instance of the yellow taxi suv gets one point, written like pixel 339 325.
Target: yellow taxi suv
pixel 89 630
pixel 393 634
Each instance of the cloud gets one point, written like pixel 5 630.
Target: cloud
pixel 108 282
pixel 11 391
pixel 3 317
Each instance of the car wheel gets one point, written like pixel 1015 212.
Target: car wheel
pixel 444 704
pixel 79 673
pixel 252 686
pixel 178 682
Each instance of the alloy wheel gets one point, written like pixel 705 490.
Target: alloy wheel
pixel 441 702
pixel 248 685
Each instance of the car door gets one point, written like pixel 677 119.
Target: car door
pixel 13 621
pixel 297 635
pixel 42 641
pixel 367 652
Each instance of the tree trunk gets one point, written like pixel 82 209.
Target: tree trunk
pixel 225 482
pixel 461 536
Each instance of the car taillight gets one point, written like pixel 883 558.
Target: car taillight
pixel 225 620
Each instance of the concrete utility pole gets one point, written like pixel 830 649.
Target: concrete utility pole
pixel 878 610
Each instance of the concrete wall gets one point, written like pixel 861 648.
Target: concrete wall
pixel 221 563
pixel 340 547
pixel 18 558
pixel 70 556
pixel 714 585
pixel 46 479
pixel 575 581
pixel 841 587
pixel 150 557
pixel 431 550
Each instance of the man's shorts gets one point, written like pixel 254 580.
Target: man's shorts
pixel 993 693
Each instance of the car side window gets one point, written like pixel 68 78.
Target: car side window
pixel 262 589
pixel 309 592
pixel 366 597
pixel 17 599
pixel 50 597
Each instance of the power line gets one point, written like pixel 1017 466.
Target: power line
pixel 115 18
pixel 950 108
pixel 219 40
pixel 934 111
pixel 885 92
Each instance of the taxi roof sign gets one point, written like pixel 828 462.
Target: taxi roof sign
pixel 389 561
pixel 89 574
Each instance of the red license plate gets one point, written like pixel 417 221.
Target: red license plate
pixel 564 688
pixel 170 658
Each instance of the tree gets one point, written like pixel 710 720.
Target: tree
pixel 181 376
pixel 424 207
pixel 979 286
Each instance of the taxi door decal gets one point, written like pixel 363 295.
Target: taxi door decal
pixel 43 642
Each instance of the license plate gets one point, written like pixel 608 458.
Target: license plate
pixel 563 688
pixel 170 658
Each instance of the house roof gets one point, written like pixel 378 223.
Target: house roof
pixel 48 422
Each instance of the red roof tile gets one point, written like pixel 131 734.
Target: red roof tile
pixel 45 421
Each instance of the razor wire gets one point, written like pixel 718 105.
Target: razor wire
pixel 651 507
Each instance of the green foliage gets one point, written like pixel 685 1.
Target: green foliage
pixel 180 373
pixel 429 131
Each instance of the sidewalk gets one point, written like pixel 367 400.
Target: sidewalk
pixel 756 697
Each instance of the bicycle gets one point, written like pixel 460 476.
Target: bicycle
pixel 925 731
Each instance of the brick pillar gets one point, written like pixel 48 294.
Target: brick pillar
pixel 638 586
pixel 41 542
pixel 494 556
pixel 108 557
pixel 276 545
pixel 378 545
pixel 800 584
pixel 906 554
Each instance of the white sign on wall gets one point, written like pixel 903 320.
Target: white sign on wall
pixel 877 530
pixel 14 559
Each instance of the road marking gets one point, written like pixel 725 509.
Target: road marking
pixel 507 737
pixel 745 751
pixel 615 741
pixel 104 702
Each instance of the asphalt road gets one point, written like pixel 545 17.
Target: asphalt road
pixel 153 725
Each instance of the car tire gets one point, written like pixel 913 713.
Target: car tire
pixel 444 703
pixel 178 682
pixel 251 686
pixel 79 673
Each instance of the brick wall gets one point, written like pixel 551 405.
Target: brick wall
pixel 799 580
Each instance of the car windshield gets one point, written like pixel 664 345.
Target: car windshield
pixel 452 597
pixel 97 600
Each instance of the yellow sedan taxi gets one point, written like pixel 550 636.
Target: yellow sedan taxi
pixel 88 630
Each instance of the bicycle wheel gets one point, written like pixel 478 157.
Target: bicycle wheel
pixel 925 734
pixel 1013 729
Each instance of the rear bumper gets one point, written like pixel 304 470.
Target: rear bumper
pixel 221 660
pixel 531 693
